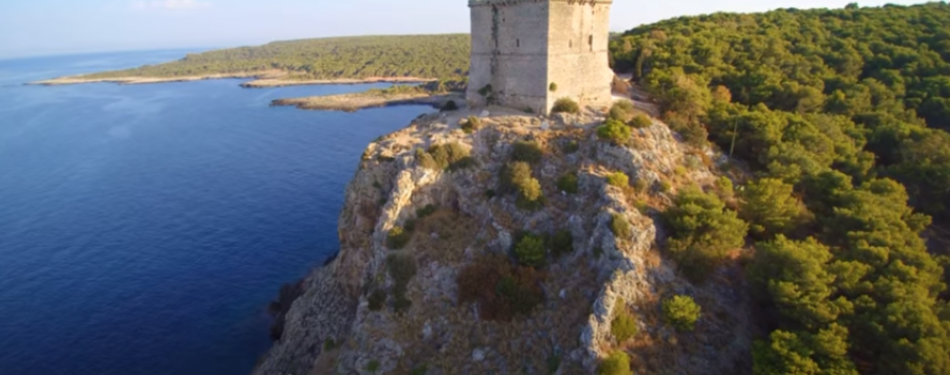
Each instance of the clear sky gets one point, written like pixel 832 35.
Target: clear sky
pixel 44 27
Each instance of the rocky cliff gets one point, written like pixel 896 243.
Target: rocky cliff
pixel 394 307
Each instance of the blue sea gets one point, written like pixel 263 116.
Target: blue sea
pixel 144 229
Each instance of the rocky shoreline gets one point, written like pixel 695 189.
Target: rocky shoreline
pixel 369 99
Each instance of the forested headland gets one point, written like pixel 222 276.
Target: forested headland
pixel 842 118
pixel 420 56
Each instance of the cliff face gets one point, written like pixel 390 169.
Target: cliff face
pixel 334 328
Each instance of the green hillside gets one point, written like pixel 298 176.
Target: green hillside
pixel 425 56
pixel 842 116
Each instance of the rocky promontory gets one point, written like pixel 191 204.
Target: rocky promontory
pixel 436 272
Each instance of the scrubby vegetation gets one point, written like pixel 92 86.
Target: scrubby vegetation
pixel 622 111
pixel 568 183
pixel 528 152
pixel 530 250
pixel 620 226
pixel 562 242
pixel 516 177
pixel 471 125
pixel 618 179
pixel 501 289
pixel 423 56
pixel 846 112
pixel 449 156
pixel 681 312
pixel 641 121
pixel 402 268
pixel 614 131
pixel 624 325
pixel 618 363
pixel 397 238
pixel 565 105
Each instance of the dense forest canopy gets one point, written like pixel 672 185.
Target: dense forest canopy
pixel 423 56
pixel 842 115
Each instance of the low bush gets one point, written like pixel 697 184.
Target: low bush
pixel 376 300
pixel 471 125
pixel 562 242
pixel 641 121
pixel 624 325
pixel 398 238
pixel 502 290
pixel 565 105
pixel 530 250
pixel 641 185
pixel 552 87
pixel 568 183
pixel 449 156
pixel 618 179
pixel 516 177
pixel 428 210
pixel 570 147
pixel 402 268
pixel 681 312
pixel 420 370
pixel 528 152
pixel 620 226
pixel 614 131
pixel 328 345
pixel 621 111
pixel 618 363
pixel 372 366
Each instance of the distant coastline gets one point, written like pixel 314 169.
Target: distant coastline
pixel 261 80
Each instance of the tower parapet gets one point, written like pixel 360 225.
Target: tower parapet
pixel 526 54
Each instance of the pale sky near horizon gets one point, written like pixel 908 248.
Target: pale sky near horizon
pixel 49 27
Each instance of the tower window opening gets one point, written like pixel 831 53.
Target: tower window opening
pixel 570 44
pixel 590 42
pixel 518 43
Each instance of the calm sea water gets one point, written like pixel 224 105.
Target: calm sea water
pixel 143 229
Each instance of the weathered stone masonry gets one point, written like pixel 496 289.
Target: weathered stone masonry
pixel 521 47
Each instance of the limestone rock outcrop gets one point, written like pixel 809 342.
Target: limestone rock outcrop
pixel 350 321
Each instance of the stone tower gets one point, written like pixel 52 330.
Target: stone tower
pixel 526 54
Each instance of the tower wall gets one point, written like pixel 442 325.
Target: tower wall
pixel 519 47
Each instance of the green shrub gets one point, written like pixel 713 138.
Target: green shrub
pixel 562 242
pixel 372 366
pixel 641 185
pixel 402 268
pixel 621 111
pixel 620 226
pixel 376 300
pixel 665 186
pixel 471 125
pixel 681 312
pixel 571 147
pixel 554 363
pixel 398 238
pixel 618 363
pixel 568 183
pixel 552 87
pixel 565 105
pixel 641 121
pixel 614 131
pixel 449 156
pixel 428 210
pixel 530 250
pixel 449 106
pixel 624 325
pixel 516 177
pixel 529 152
pixel 618 179
pixel 425 160
pixel 485 91
pixel 328 344
pixel 420 370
